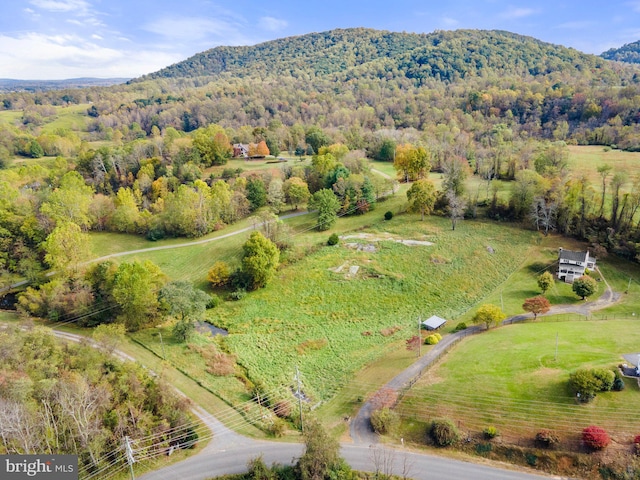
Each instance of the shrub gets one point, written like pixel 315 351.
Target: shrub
pixel 388 215
pixel 219 273
pixel 431 340
pixel 385 397
pixel 214 301
pixel 618 385
pixel 546 438
pixel 490 432
pixel 586 382
pixel 595 437
pixel 282 408
pixel 636 444
pixel 237 295
pixel 531 458
pixel 443 432
pixel 460 326
pixel 605 377
pixel 333 239
pixel 384 420
pixel 277 428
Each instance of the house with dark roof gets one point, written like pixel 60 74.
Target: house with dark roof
pixel 572 265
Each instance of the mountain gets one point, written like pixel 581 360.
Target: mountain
pixel 629 53
pixel 13 85
pixel 345 53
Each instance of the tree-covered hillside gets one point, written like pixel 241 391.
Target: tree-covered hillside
pixel 443 55
pixel 629 53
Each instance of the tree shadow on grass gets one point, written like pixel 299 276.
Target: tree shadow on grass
pixel 539 267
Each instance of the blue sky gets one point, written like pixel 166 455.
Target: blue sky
pixel 55 39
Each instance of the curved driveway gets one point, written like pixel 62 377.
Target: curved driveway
pixel 361 430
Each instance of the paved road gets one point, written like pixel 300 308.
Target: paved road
pixel 229 452
pixel 221 459
pixel 360 429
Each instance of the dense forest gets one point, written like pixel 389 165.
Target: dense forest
pixel 148 157
pixel 66 398
pixel 629 53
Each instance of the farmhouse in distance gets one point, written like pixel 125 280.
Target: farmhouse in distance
pixel 572 265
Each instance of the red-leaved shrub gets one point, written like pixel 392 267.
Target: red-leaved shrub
pixel 595 437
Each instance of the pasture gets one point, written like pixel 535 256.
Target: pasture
pixel 587 159
pixel 510 378
pixel 332 323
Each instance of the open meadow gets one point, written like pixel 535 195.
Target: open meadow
pixel 331 320
pixel 511 378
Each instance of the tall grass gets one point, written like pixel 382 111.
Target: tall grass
pixel 394 285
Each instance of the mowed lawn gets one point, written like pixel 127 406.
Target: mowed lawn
pixel 510 378
pixel 331 324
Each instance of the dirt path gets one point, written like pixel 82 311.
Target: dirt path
pixel 360 429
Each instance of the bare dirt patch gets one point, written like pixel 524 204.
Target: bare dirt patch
pixel 385 237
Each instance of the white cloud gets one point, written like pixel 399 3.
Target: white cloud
pixel 62 6
pixel 449 22
pixel 273 24
pixel 68 56
pixel 577 25
pixel 512 13
pixel 199 31
pixel 634 5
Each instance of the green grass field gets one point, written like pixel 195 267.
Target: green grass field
pixel 325 321
pixel 587 159
pixel 510 378
pixel 73 118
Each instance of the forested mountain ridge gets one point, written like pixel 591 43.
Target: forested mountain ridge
pixel 349 53
pixel 629 53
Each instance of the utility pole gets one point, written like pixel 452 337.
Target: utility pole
pixel 501 302
pixel 129 453
pixel 299 395
pixel 162 344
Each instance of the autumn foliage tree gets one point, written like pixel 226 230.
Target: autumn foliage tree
pixel 384 398
pixel 536 305
pixel 489 315
pixel 411 162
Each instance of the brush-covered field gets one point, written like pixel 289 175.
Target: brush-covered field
pixel 320 315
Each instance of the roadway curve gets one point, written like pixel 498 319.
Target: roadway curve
pixel 360 429
pixel 228 452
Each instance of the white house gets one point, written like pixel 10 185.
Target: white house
pixel 572 265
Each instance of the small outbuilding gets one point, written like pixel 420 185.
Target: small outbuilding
pixel 434 322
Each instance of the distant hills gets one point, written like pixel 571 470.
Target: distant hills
pixel 12 85
pixel 360 52
pixel 629 53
